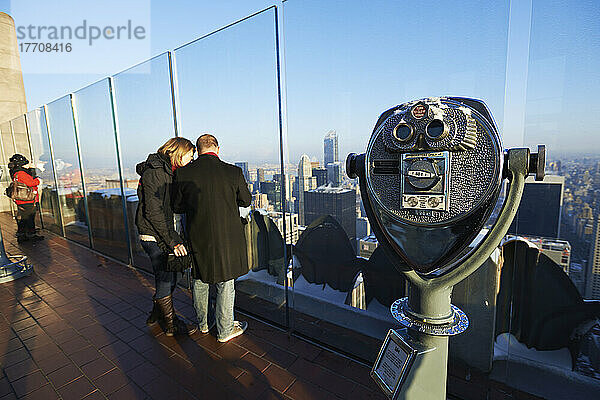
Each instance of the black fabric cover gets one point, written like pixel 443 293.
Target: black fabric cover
pixel 382 281
pixel 546 306
pixel 266 246
pixel 327 256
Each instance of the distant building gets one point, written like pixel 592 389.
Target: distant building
pixel 557 250
pixel 306 182
pixel 334 173
pixel 295 189
pixel 260 200
pixel 273 191
pixel 592 276
pixel 584 222
pixel 363 227
pixel 116 183
pixel 320 175
pixel 577 276
pixel 260 175
pixel 289 186
pixel 291 226
pixel 330 148
pixel 540 209
pixel 367 245
pixel 244 167
pixel 339 203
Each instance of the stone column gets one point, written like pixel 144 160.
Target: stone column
pixel 12 91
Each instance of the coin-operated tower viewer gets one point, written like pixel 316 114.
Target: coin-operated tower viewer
pixel 429 180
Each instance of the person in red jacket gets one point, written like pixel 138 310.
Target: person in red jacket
pixel 18 167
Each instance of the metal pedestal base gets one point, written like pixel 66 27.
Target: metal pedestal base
pixel 14 267
pixel 458 324
pixel 429 320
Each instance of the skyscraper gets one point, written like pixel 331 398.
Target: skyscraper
pixel 244 167
pixel 340 203
pixel 289 184
pixel 540 209
pixel 334 173
pixel 306 182
pixel 330 148
pixel 592 276
pixel 320 175
pixel 273 191
pixel 363 227
pixel 260 175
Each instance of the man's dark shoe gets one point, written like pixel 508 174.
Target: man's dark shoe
pixel 171 324
pixel 154 316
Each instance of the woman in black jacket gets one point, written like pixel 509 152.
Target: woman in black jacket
pixel 155 223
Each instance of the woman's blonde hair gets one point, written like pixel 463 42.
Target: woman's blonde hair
pixel 175 148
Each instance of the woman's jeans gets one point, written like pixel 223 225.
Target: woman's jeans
pixel 165 281
pixel 223 306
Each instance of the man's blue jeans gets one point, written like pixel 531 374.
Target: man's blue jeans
pixel 223 307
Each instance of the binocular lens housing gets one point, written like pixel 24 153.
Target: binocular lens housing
pixel 432 175
pixel 403 132
pixel 436 129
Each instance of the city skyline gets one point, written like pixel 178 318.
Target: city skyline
pixel 321 99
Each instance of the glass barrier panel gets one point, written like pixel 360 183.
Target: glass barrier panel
pixel 344 68
pixel 101 177
pixel 145 110
pixel 42 162
pixel 227 85
pixel 67 169
pixel 552 280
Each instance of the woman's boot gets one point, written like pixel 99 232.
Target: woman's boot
pixel 173 325
pixel 154 316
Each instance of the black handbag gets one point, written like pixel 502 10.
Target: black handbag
pixel 178 263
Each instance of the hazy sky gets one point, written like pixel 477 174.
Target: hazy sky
pixel 535 63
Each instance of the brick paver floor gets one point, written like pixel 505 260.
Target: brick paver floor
pixel 76 329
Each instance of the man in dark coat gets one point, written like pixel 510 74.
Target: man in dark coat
pixel 209 191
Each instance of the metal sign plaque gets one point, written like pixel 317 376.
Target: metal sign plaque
pixel 393 364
